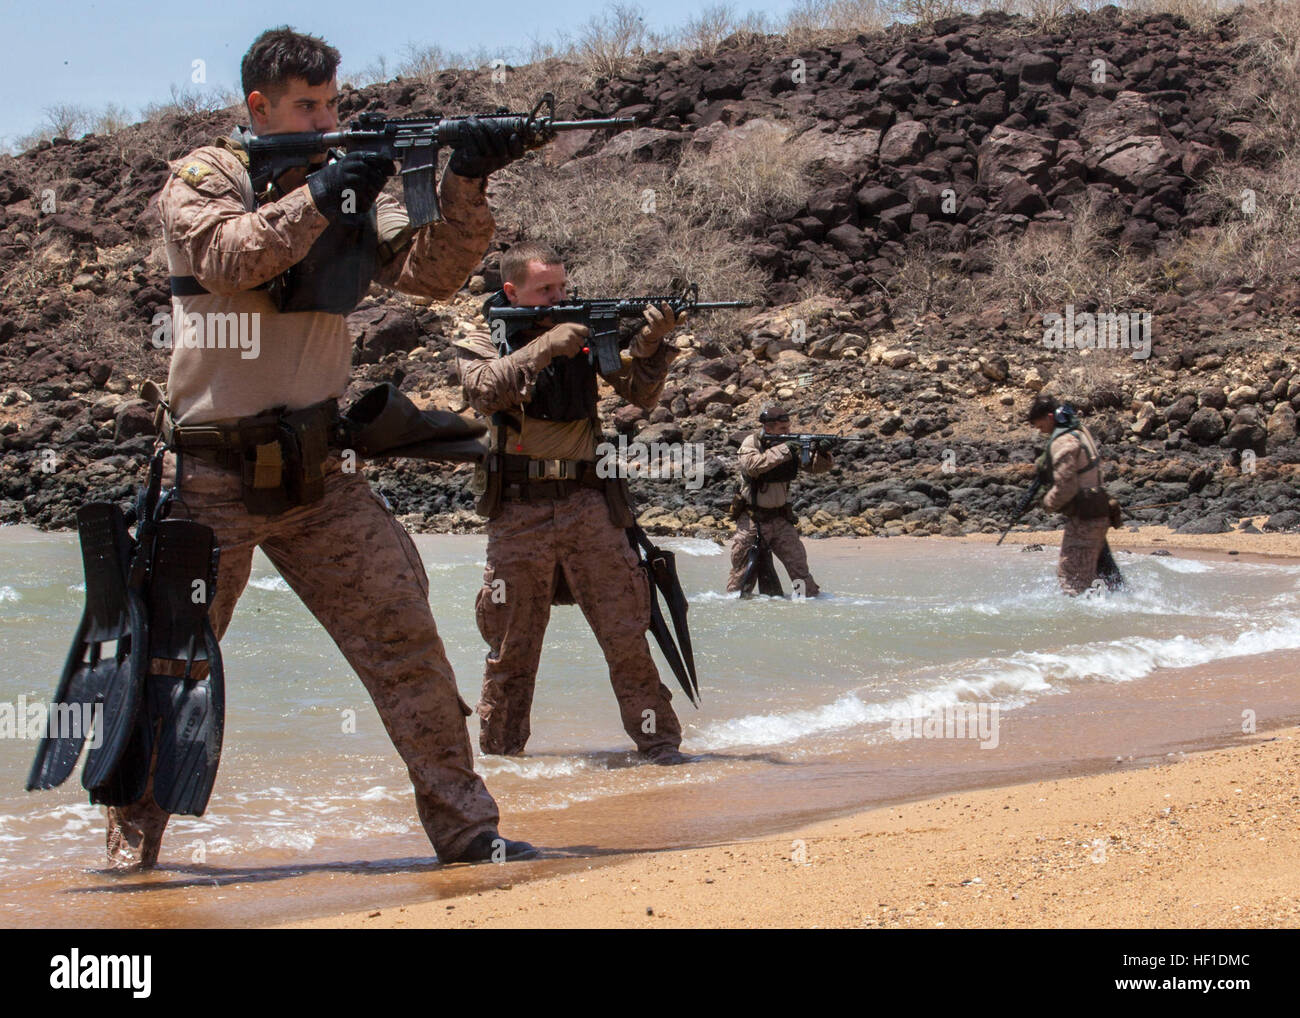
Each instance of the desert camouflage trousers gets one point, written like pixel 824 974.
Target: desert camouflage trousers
pixel 527 543
pixel 782 537
pixel 358 571
pixel 1081 546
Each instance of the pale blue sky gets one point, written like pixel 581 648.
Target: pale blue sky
pixel 130 52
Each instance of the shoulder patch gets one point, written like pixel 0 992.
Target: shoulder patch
pixel 193 173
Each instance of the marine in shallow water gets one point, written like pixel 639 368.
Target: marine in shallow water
pixel 557 529
pixel 1070 469
pixel 765 522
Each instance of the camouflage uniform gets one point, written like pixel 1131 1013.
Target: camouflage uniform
pixel 768 501
pixel 345 555
pixel 534 544
pixel 1082 541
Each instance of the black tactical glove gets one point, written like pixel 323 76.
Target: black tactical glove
pixel 487 146
pixel 796 450
pixel 356 180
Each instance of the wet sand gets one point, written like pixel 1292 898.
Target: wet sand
pixel 1205 841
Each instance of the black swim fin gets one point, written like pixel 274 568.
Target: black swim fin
pixel 182 719
pixel 1108 569
pixel 661 570
pixel 384 422
pixel 97 693
pixel 760 571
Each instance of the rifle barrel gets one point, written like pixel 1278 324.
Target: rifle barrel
pixel 578 125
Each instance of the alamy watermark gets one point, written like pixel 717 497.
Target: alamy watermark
pixel 38 720
pixel 215 330
pixel 658 460
pixel 951 721
pixel 1102 330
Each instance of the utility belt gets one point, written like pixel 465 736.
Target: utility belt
pixel 763 513
pixel 508 478
pixel 524 479
pixel 740 507
pixel 279 456
pixel 1088 504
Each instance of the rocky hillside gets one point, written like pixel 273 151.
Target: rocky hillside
pixel 952 189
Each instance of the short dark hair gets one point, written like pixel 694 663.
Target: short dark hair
pixel 515 262
pixel 1041 407
pixel 280 54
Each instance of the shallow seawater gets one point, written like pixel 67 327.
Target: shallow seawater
pixel 904 628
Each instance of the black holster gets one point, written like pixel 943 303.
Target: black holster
pixel 282 457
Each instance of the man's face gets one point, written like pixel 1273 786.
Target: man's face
pixel 542 286
pixel 1043 424
pixel 299 108
pixel 777 427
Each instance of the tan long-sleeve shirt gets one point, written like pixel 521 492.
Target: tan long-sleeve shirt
pixel 756 461
pixel 215 231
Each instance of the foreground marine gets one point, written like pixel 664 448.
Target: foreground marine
pixel 255 459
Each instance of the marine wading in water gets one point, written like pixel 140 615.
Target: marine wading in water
pixel 560 530
pixel 765 524
pixel 1069 469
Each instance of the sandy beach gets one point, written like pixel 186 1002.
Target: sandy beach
pixel 1190 838
pixel 1207 840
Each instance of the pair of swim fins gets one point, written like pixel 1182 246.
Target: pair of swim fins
pixel 148 596
pixel 760 571
pixel 661 568
pixel 1108 569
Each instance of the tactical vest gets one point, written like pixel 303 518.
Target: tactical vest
pixel 337 272
pixel 1045 469
pixel 565 390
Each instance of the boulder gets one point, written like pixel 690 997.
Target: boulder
pixel 905 143
pixel 1007 155
pixel 1205 426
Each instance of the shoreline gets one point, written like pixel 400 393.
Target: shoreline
pixel 1209 835
pixel 752 881
pixel 739 800
pixel 1145 538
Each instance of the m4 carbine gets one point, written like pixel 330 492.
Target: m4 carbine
pixel 808 443
pixel 412 141
pixel 1022 507
pixel 601 316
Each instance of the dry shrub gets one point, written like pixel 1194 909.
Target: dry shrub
pixel 706 32
pixel 518 89
pixel 767 175
pixel 192 102
pixel 1093 379
pixel 627 229
pixel 930 280
pixel 927 12
pixel 1257 238
pixel 1266 92
pixel 811 22
pixel 612 40
pixel 1197 13
pixel 632 226
pixel 1078 264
